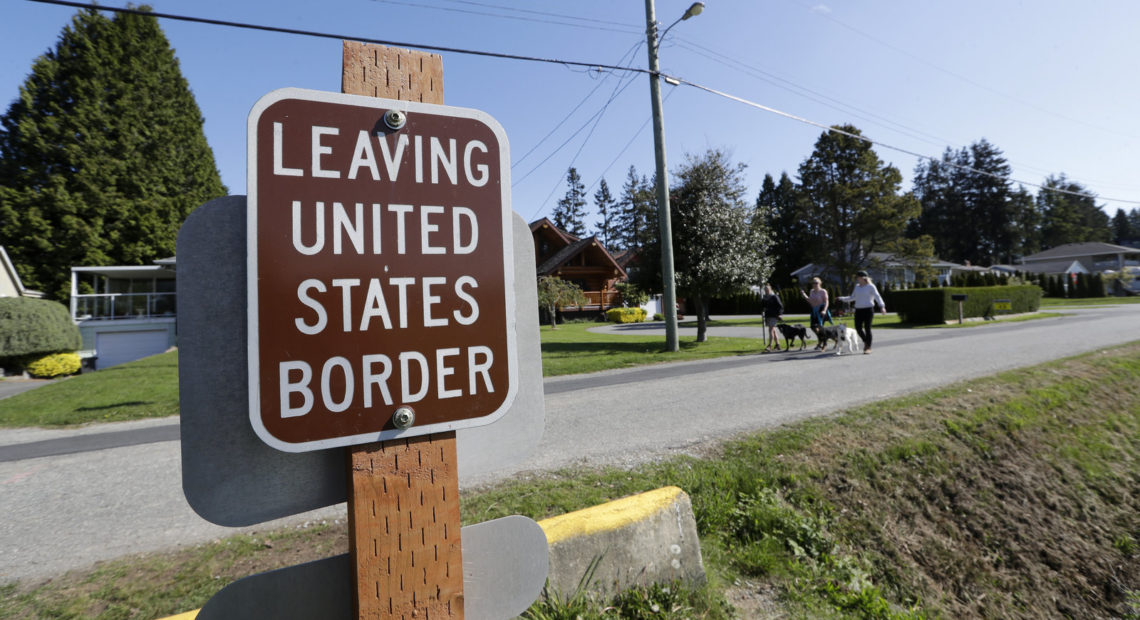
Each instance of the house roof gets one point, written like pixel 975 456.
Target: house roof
pixel 563 256
pixel 565 236
pixel 10 269
pixel 1079 250
pixel 1065 265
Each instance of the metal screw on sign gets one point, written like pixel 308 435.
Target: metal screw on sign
pixel 395 119
pixel 404 417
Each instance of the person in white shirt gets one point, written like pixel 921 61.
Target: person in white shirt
pixel 866 298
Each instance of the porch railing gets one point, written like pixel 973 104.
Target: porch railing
pixel 111 306
pixel 599 300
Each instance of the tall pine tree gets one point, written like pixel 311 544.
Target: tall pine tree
pixel 570 214
pixel 783 215
pixel 853 198
pixel 637 221
pixel 102 156
pixel 1071 214
pixel 607 214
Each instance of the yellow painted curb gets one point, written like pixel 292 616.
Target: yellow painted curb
pixel 606 517
pixel 609 516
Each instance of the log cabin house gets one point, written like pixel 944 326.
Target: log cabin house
pixel 586 262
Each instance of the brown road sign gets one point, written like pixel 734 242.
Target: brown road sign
pixel 380 269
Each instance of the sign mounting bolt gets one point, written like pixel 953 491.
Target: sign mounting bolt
pixel 404 417
pixel 395 119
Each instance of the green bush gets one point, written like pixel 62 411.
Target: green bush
pixel 35 327
pixel 54 365
pixel 935 305
pixel 626 315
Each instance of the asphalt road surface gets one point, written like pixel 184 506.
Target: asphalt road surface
pixel 71 498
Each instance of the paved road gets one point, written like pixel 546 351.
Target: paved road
pixel 65 509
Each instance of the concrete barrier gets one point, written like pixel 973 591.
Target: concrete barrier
pixel 638 540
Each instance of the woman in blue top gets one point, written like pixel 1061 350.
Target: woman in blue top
pixel 866 297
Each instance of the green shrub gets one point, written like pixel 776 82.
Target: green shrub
pixel 54 365
pixel 35 327
pixel 936 305
pixel 626 315
pixel 657 316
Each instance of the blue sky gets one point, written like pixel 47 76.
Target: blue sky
pixel 1050 83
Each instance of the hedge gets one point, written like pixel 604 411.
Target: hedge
pixel 626 315
pixel 35 327
pixel 936 305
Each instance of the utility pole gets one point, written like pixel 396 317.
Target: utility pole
pixel 668 280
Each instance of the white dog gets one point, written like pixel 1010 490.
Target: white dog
pixel 850 338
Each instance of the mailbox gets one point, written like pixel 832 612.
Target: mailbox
pixel 958 297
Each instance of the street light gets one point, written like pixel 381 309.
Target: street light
pixel 668 280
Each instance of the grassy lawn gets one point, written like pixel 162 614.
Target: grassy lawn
pixel 571 349
pixel 147 388
pixel 1011 496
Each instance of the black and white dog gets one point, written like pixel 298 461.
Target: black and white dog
pixel 843 336
pixel 791 332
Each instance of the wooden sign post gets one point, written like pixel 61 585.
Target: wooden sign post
pixel 403 494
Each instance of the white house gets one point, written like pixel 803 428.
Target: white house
pixel 10 284
pixel 884 268
pixel 124 313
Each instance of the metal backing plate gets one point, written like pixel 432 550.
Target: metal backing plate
pixel 229 475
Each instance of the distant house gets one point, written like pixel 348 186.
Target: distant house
pixel 1073 258
pixel 10 284
pixel 885 268
pixel 125 313
pixel 586 262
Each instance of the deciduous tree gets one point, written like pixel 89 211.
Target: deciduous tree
pixel 716 248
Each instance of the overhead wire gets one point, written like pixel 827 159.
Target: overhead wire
pixel 326 35
pixel 570 63
pixel 589 20
pixel 966 79
pixel 514 17
pixel 885 145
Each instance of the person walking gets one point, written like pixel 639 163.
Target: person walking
pixel 773 308
pixel 818 301
pixel 866 298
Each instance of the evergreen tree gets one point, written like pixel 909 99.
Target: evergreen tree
pixel 1026 223
pixel 102 156
pixel 637 218
pixel 853 198
pixel 968 205
pixel 1070 213
pixel 1121 228
pixel 608 214
pixel 791 232
pixel 570 214
pixel 1134 221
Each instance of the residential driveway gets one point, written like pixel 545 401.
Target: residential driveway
pixel 657 328
pixel 12 386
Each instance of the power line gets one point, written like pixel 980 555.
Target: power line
pixel 588 20
pixel 325 35
pixel 919 59
pixel 567 63
pixel 515 17
pixel 806 121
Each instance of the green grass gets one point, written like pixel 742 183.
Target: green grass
pixel 1051 302
pixel 1011 496
pixel 571 349
pixel 147 388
